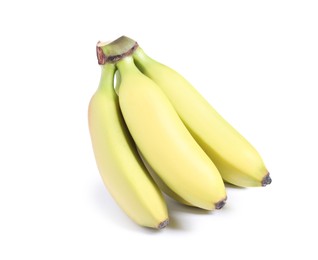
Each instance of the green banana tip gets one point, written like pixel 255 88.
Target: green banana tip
pixel 266 180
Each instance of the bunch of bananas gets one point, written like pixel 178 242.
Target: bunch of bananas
pixel 152 132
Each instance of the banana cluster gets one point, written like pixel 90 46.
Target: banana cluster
pixel 152 132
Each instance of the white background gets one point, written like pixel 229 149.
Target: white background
pixel 255 61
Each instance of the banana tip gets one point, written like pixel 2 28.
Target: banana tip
pixel 266 180
pixel 220 204
pixel 163 224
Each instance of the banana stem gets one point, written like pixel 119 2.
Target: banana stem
pixel 116 50
pixel 107 76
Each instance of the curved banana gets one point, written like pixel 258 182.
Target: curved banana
pixel 236 159
pixel 121 169
pixel 165 142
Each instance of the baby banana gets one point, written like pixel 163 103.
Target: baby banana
pixel 236 159
pixel 165 142
pixel 119 164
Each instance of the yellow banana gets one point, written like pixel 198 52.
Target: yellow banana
pixel 119 164
pixel 236 159
pixel 165 142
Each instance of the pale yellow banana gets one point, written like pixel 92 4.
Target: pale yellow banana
pixel 165 142
pixel 236 159
pixel 119 164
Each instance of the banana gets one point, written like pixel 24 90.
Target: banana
pixel 162 186
pixel 119 164
pixel 165 142
pixel 237 160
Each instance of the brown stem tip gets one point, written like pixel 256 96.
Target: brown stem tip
pixel 220 204
pixel 111 52
pixel 163 224
pixel 101 57
pixel 266 180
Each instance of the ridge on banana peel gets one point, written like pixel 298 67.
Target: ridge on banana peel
pixel 165 142
pixel 120 167
pixel 236 159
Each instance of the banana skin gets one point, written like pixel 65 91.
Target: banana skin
pixel 165 142
pixel 236 159
pixel 119 164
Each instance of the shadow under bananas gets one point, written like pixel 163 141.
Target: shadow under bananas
pixel 105 204
pixel 176 210
pixel 232 186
